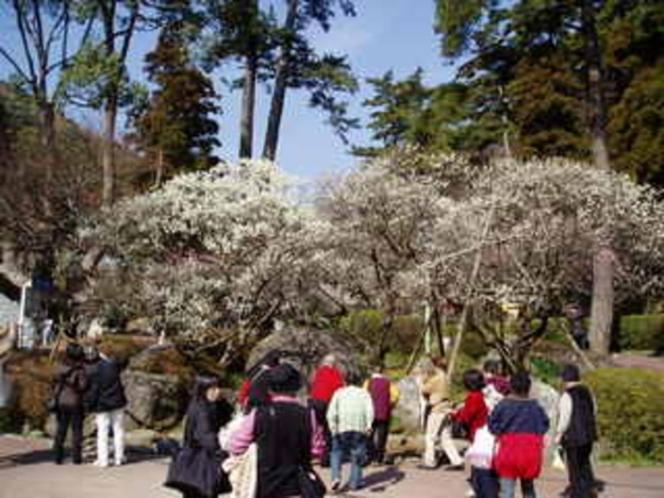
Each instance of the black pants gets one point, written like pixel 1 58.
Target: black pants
pixel 67 417
pixel 379 433
pixel 484 482
pixel 320 410
pixel 580 471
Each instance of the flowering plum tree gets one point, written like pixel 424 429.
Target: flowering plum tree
pixel 548 218
pixel 209 253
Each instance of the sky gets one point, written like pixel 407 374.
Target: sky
pixel 385 35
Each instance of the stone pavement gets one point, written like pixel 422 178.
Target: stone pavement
pixel 26 471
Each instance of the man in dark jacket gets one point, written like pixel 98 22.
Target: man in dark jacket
pixel 577 431
pixel 107 399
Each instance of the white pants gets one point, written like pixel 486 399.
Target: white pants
pixel 437 429
pixel 104 421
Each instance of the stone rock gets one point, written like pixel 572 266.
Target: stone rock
pixel 155 401
pixel 305 348
pixel 141 438
pixel 139 326
pixel 408 410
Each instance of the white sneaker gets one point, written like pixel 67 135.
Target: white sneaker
pixel 470 494
pixel 97 463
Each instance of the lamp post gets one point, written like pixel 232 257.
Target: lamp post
pixel 21 316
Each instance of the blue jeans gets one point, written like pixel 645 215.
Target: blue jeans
pixel 344 445
pixel 508 487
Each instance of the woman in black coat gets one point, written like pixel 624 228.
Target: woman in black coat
pixel 206 414
pixel 71 383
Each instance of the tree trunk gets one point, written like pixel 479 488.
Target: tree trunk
pixel 601 314
pixel 602 301
pixel 108 151
pixel 280 85
pixel 248 106
pixel 595 82
pixel 47 136
pixel 159 176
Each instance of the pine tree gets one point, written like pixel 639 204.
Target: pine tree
pixel 175 127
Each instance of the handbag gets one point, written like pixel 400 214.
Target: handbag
pixel 311 485
pixel 558 462
pixel 481 453
pixel 194 470
pixel 459 429
pixel 53 403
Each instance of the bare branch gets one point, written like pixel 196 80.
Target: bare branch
pixel 14 64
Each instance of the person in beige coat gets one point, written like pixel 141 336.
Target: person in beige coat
pixel 435 390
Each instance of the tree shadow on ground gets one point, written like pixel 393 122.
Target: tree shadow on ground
pixel 378 482
pixel 134 454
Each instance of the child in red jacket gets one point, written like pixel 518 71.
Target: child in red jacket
pixel 473 415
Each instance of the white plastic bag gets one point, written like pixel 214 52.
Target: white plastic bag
pixel 481 452
pixel 558 463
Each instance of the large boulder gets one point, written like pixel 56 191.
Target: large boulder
pixel 157 395
pixel 409 411
pixel 155 401
pixel 305 348
pixel 548 398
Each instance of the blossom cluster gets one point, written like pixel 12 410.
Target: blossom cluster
pixel 236 246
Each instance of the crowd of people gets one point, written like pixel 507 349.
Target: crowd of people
pixel 267 447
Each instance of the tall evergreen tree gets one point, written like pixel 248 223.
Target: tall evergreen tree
pixel 298 66
pixel 176 127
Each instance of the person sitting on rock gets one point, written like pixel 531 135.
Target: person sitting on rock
pixel 436 391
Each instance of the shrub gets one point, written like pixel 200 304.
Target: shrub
pixel 642 332
pixel 367 325
pixel 363 324
pixel 168 362
pixel 121 347
pixel 546 370
pixel 630 406
pixel 33 377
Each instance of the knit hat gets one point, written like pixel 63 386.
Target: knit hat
pixel 285 378
pixel 570 373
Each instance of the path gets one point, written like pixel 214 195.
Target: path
pixel 26 471
pixel 632 360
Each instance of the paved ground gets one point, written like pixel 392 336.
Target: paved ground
pixel 632 360
pixel 26 471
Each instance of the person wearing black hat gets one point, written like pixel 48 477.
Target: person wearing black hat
pixel 254 391
pixel 577 431
pixel 283 432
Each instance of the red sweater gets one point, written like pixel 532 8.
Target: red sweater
pixel 473 413
pixel 325 382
